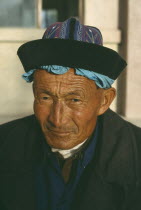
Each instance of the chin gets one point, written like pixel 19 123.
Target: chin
pixel 61 143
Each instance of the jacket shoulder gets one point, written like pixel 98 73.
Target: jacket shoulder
pixel 15 126
pixel 115 118
pixel 120 149
pixel 14 136
pixel 17 121
pixel 20 144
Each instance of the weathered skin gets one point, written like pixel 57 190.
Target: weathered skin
pixel 67 107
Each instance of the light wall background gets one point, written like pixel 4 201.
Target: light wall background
pixel 120 24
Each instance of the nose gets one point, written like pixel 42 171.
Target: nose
pixel 57 117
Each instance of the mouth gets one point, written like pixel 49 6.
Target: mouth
pixel 59 133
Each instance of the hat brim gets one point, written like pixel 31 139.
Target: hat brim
pixel 71 53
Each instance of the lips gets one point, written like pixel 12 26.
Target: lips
pixel 59 132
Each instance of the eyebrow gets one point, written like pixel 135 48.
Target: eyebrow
pixel 47 92
pixel 73 93
pixel 65 94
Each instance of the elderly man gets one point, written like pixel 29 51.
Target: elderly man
pixel 74 153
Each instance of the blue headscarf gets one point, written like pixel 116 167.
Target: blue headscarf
pixel 101 81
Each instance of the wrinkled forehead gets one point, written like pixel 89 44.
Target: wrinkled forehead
pixel 44 77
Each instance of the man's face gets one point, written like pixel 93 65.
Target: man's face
pixel 66 107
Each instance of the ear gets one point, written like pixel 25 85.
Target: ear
pixel 106 100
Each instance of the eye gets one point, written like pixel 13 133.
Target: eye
pixel 45 98
pixel 75 100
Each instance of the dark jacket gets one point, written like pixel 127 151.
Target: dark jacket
pixel 111 181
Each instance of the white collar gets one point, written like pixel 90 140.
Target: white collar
pixel 66 153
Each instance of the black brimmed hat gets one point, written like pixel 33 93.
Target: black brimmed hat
pixel 73 45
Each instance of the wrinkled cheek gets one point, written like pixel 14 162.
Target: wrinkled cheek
pixel 87 123
pixel 41 112
pixel 37 109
